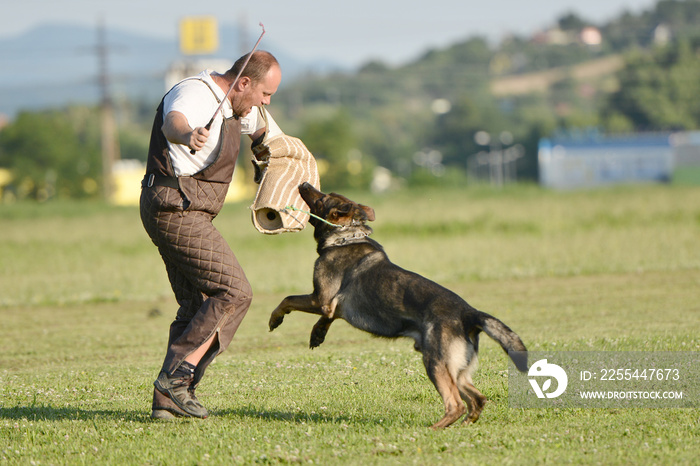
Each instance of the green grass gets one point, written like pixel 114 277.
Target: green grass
pixel 687 176
pixel 85 308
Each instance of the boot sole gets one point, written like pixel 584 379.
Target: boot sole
pixel 166 392
pixel 163 415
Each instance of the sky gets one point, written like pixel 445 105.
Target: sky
pixel 347 32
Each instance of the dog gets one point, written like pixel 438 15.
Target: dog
pixel 354 280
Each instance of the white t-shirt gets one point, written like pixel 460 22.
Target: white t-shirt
pixel 194 99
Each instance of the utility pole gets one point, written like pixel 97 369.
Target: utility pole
pixel 243 34
pixel 110 142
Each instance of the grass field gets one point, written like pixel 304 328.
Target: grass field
pixel 85 308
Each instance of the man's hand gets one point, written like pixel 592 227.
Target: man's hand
pixel 198 137
pixel 178 131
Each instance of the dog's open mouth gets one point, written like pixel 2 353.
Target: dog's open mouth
pixel 334 208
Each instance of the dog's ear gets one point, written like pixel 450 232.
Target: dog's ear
pixel 369 211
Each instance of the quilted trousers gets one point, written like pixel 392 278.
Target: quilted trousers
pixel 209 284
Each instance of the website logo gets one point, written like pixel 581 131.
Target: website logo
pixel 543 369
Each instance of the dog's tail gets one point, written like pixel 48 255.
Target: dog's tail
pixel 508 339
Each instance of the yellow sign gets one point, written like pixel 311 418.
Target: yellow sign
pixel 199 35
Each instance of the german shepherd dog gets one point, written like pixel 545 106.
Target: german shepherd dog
pixel 355 280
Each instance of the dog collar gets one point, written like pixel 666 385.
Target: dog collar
pixel 347 238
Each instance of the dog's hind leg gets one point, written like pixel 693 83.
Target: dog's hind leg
pixel 474 399
pixel 446 387
pixel 318 333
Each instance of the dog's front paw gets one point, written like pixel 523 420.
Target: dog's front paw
pixel 316 338
pixel 276 319
pixel 318 333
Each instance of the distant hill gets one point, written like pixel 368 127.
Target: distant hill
pixel 56 64
pixel 541 81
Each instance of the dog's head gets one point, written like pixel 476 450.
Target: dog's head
pixel 334 208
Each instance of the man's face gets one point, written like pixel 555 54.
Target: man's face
pixel 257 94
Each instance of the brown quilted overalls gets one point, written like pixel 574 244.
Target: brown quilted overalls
pixel 209 284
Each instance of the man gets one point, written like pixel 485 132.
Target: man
pixel 182 193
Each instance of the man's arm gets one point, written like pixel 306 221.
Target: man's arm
pixel 263 125
pixel 178 131
pixel 256 135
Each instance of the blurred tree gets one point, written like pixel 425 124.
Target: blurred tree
pixel 659 90
pixel 135 119
pixel 628 31
pixel 682 16
pixel 53 154
pixel 337 149
pixel 572 22
pixel 390 111
pixel 133 144
pixel 454 131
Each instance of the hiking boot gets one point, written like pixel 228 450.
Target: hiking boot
pixel 163 408
pixel 193 396
pixel 164 415
pixel 178 390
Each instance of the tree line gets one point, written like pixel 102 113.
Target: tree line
pixel 419 120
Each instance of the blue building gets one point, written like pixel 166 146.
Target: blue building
pixel 567 163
